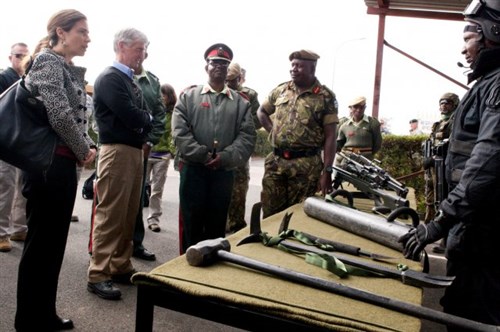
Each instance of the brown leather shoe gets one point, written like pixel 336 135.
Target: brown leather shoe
pixel 5 245
pixel 19 236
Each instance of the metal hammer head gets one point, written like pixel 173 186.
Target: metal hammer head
pixel 205 252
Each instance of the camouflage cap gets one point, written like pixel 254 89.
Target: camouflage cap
pixel 358 101
pixel 304 55
pixel 233 71
pixel 219 51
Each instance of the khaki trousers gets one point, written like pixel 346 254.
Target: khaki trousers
pixel 118 188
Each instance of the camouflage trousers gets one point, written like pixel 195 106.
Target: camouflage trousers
pixel 288 182
pixel 236 213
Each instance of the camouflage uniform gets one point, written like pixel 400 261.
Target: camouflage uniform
pixel 236 213
pixel 297 128
pixel 441 130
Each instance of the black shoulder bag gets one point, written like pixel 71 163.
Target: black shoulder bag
pixel 27 140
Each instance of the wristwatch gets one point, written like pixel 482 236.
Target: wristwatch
pixel 329 169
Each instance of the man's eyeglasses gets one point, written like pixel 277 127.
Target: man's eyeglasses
pixel 19 55
pixel 220 63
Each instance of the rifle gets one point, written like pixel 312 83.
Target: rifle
pixel 369 169
pixel 372 181
pixel 427 150
pixel 441 186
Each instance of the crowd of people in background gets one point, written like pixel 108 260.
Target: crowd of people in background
pixel 209 130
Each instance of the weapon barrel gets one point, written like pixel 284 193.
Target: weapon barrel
pixel 367 225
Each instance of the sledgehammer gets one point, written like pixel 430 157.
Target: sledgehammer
pixel 209 251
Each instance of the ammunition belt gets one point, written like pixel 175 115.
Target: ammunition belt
pixel 357 150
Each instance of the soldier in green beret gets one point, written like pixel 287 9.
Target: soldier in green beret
pixel 304 123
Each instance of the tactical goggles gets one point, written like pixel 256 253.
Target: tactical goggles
pixel 474 7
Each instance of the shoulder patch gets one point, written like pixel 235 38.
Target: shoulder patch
pixel 493 99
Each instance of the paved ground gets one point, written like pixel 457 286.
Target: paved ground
pixel 91 313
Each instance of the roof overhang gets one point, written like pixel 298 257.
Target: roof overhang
pixel 427 9
pixel 440 10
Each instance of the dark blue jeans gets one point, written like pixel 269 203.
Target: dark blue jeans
pixel 50 201
pixel 204 195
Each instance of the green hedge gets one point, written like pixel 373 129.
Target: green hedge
pixel 399 155
pixel 402 156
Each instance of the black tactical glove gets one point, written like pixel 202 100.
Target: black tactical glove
pixel 428 163
pixel 418 238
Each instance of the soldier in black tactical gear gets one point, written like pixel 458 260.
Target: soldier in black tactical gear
pixel 470 214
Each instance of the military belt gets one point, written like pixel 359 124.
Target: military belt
pixel 357 150
pixel 294 154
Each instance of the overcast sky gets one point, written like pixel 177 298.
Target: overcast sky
pixel 262 34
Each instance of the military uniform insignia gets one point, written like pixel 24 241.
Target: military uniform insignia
pixel 316 90
pixel 244 95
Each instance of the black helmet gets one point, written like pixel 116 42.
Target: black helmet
pixel 485 13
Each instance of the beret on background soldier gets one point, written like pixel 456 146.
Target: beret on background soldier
pixel 413 120
pixel 233 71
pixel 358 101
pixel 304 55
pixel 219 51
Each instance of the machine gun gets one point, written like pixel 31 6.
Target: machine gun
pixel 434 156
pixel 427 149
pixel 371 180
pixel 441 186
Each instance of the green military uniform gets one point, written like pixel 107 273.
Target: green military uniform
pixel 293 169
pixel 236 212
pixel 201 117
pixel 363 137
pixel 150 87
pixel 441 130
